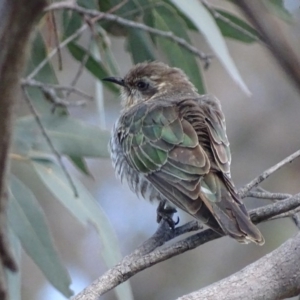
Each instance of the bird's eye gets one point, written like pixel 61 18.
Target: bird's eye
pixel 142 85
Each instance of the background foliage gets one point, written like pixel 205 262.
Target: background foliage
pixel 44 172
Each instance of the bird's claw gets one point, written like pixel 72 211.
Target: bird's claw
pixel 165 213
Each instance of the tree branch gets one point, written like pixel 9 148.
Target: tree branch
pixel 256 181
pixel 45 87
pixel 17 18
pixel 274 276
pixel 128 23
pixel 142 259
pixel 134 263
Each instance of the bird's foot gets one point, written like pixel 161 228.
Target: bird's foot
pixel 165 212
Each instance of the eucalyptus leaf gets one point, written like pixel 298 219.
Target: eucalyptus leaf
pixel 86 210
pixel 80 164
pixel 140 46
pixel 166 18
pixel 46 74
pixel 28 222
pixel 94 66
pixel 72 21
pixel 108 55
pixel 69 136
pixel 246 34
pixel 206 24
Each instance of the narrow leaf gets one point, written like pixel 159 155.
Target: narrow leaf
pixel 46 74
pixel 165 18
pixel 247 34
pixel 207 25
pixel 140 46
pixel 94 66
pixel 72 21
pixel 28 222
pixel 85 209
pixel 80 164
pixel 69 136
pixel 108 55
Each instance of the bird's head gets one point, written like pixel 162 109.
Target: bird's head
pixel 147 81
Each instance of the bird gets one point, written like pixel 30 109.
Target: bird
pixel 170 144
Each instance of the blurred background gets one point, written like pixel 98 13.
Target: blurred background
pixel 262 128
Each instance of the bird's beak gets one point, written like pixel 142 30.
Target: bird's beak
pixel 117 80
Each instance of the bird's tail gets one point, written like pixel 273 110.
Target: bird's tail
pixel 220 197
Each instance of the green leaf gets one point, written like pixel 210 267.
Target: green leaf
pixel 277 8
pixel 81 165
pixel 94 66
pixel 190 25
pixel 247 34
pixel 108 55
pixel 69 136
pixel 165 18
pixel 28 222
pixel 14 278
pixel 140 46
pixel 72 21
pixel 205 23
pixel 90 4
pixel 46 74
pixel 85 209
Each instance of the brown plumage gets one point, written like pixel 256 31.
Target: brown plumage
pixel 170 144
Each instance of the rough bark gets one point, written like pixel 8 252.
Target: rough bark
pixel 274 276
pixel 16 22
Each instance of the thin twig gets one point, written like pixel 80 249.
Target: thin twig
pixel 90 23
pixel 59 87
pixel 45 134
pixel 133 264
pixel 128 23
pixel 72 37
pixel 263 194
pixel 53 20
pixel 267 173
pixel 81 68
pixel 267 195
pixel 290 213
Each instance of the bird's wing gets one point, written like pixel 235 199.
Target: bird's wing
pixel 159 143
pixel 217 189
pixel 182 149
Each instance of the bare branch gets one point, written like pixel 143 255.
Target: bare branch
pixel 290 213
pixel 45 87
pixel 128 23
pixel 267 195
pixel 267 173
pixel 268 211
pixel 274 276
pixel 132 264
